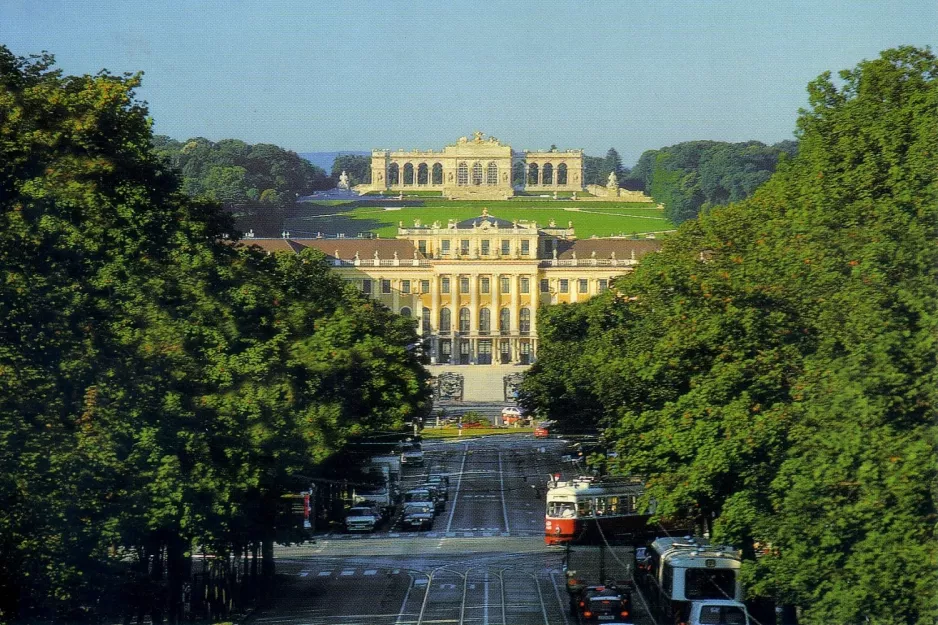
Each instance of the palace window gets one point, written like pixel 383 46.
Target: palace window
pixel 525 247
pixel 491 174
pixel 444 285
pixel 445 319
pixel 484 286
pixel 505 284
pixel 548 174
pixel 386 287
pixel 517 174
pixel 477 173
pixel 583 285
pixel 464 320
pixel 422 246
pixel 425 320
pixel 408 174
pixel 437 174
pixel 603 285
pixel 525 285
pixel 446 350
pixel 506 247
pixel 504 321
pixel 463 284
pixel 545 285
pixel 366 286
pixel 462 174
pixel 405 312
pixel 524 321
pixel 532 174
pixel 405 287
pixel 464 247
pixel 562 173
pixel 444 246
pixel 485 247
pixel 394 174
pixel 564 286
pixel 485 321
pixel 424 286
pixel 423 173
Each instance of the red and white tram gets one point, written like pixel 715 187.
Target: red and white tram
pixel 586 506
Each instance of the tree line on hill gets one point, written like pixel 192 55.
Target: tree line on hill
pixel 772 371
pixel 235 173
pixel 160 386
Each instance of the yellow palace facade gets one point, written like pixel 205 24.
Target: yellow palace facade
pixel 473 287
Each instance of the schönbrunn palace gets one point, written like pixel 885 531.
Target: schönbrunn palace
pixel 474 286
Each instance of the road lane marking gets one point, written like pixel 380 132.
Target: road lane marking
pixel 371 572
pixel 400 615
pixel 462 469
pixel 501 482
pixel 304 573
pixel 325 573
pixel 563 610
pixel 347 572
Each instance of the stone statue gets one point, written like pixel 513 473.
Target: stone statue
pixel 613 182
pixel 336 255
pixel 380 176
pixel 416 256
pixel 514 223
pixel 552 223
pixel 477 136
pixel 555 195
pixel 555 253
pixel 344 181
pixel 357 257
pixel 485 212
pixel 376 254
pixel 395 255
pixel 436 225
pixel 450 175
pixel 400 224
pixel 573 255
pixel 462 140
pixel 416 223
pixel 593 255
pixel 570 224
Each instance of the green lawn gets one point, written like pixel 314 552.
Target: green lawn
pixel 382 217
pixel 470 432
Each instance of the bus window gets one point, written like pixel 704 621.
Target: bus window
pixel 584 508
pixel 561 510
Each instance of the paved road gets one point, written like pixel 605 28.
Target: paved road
pixel 483 563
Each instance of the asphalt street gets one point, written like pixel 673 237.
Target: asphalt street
pixel 484 562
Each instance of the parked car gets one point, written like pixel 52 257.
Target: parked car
pixel 362 519
pixel 541 431
pixel 512 415
pixel 417 516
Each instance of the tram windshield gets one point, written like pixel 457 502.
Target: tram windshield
pixel 561 510
pixel 710 584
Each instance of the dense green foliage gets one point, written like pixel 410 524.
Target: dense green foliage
pixel 357 166
pixel 694 176
pixel 160 388
pixel 596 169
pixel 235 173
pixel 773 370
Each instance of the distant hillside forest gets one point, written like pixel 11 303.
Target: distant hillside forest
pixel 236 173
pixel 690 177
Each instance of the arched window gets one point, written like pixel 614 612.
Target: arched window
pixel 525 321
pixel 548 174
pixel 517 174
pixel 462 174
pixel 491 174
pixel 437 174
pixel 394 174
pixel 445 319
pixel 408 174
pixel 477 173
pixel 423 173
pixel 485 321
pixel 405 312
pixel 504 321
pixel 464 320
pixel 425 321
pixel 532 174
pixel 562 173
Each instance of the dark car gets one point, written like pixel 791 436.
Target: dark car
pixel 438 495
pixel 604 604
pixel 417 516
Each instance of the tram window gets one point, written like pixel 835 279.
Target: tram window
pixel 558 509
pixel 584 508
pixel 667 579
pixel 612 505
pixel 602 506
pixel 709 584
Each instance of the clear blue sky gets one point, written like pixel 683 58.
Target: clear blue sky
pixel 319 76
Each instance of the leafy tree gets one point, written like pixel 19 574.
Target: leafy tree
pixel 160 387
pixel 772 371
pixel 358 168
pixel 613 164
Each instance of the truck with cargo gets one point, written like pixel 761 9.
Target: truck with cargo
pixel 598 581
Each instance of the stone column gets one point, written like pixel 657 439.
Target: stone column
pixel 515 304
pixel 395 295
pixel 540 175
pixel 474 304
pixel 574 290
pixel 434 303
pixel 535 302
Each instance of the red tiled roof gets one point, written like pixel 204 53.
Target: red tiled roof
pixel 604 248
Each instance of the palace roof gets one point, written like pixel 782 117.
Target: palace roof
pixel 605 248
pixel 494 222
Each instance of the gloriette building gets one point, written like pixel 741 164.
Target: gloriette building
pixel 473 287
pixel 477 169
